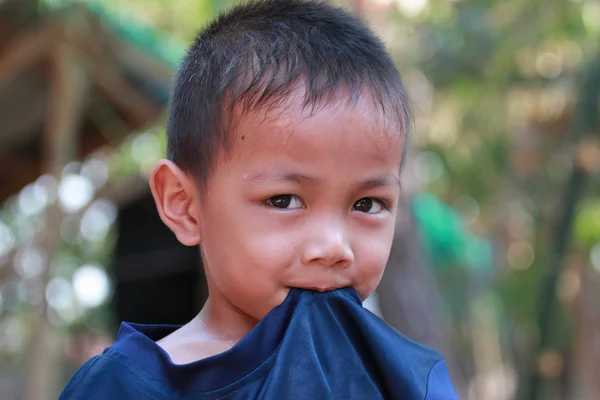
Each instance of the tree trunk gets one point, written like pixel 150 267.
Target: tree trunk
pixel 409 297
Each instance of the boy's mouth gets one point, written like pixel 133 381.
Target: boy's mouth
pixel 321 288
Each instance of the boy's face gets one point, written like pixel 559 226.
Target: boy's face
pixel 300 201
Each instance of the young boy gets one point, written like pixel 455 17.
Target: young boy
pixel 285 141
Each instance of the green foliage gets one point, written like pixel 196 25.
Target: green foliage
pixel 448 242
pixel 587 223
pixel 172 19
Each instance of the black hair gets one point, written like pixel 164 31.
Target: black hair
pixel 256 54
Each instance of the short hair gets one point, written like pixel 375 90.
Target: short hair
pixel 256 54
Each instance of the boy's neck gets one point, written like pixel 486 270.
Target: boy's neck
pixel 217 328
pixel 220 320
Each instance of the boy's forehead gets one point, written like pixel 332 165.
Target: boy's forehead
pixel 292 116
pixel 294 132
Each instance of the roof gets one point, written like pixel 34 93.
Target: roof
pixel 127 67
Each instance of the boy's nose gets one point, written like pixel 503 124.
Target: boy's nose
pixel 328 247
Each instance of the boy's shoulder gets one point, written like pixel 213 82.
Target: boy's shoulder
pixel 106 377
pixel 122 371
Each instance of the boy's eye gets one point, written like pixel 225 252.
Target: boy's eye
pixel 369 206
pixel 285 202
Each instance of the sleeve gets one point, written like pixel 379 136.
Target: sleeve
pixel 102 378
pixel 439 385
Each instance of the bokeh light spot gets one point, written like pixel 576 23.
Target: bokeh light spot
pixel 91 286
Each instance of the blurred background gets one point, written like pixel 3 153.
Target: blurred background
pixel 496 261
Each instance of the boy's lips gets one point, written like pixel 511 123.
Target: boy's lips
pixel 321 288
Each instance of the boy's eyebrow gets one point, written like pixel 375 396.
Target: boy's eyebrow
pixel 372 183
pixel 392 182
pixel 285 176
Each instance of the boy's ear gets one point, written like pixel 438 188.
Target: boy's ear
pixel 176 198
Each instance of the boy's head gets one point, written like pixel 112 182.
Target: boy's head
pixel 285 139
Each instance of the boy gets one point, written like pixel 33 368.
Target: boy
pixel 285 142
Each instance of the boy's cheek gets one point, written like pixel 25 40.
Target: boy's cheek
pixel 265 254
pixel 366 287
pixel 371 261
pixel 374 246
pixel 252 293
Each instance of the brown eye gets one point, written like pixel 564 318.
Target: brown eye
pixel 285 202
pixel 363 205
pixel 280 201
pixel 369 206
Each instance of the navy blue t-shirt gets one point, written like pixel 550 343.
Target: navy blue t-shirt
pixel 313 346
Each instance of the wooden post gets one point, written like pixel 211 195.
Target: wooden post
pixel 24 51
pixel 67 93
